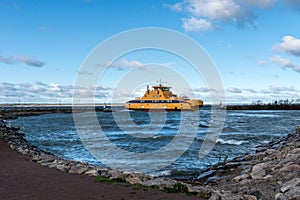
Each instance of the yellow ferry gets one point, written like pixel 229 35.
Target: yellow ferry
pixel 162 98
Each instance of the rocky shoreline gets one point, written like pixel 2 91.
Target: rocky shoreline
pixel 273 172
pixel 15 112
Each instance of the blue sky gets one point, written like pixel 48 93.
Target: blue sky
pixel 255 45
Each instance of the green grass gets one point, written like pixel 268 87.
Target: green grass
pixel 138 186
pixel 177 188
pixel 132 192
pixel 100 179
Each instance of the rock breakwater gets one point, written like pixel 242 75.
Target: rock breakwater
pixel 14 112
pixel 273 172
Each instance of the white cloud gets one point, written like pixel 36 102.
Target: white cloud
pixel 285 63
pixel 124 64
pixel 84 72
pixel 263 62
pixel 54 87
pixel 42 92
pixel 239 12
pixel 197 25
pixel 280 61
pixel 289 45
pixel 250 90
pixel 234 90
pixel 273 92
pixel 213 9
pixel 293 3
pixel 280 89
pixel 204 14
pixel 132 64
pixel 14 59
pixel 202 89
pixel 260 3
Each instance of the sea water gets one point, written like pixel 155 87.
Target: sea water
pixel 243 131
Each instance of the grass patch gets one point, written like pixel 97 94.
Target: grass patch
pixel 145 188
pixel 100 179
pixel 132 192
pixel 177 188
pixel 138 186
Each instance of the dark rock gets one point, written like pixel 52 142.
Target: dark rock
pixel 92 172
pixel 258 170
pixel 293 193
pixel 63 168
pixel 20 135
pixel 241 177
pixel 257 194
pixel 206 174
pixel 78 169
pixel 45 158
pixel 280 196
pixel 15 128
pixel 290 158
pixel 290 184
pixel 200 191
pixel 290 168
pixel 250 197
pixel 297 129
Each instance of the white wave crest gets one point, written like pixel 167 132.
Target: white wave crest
pixel 233 142
pixel 160 173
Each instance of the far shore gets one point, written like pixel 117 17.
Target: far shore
pixel 241 106
pixel 57 105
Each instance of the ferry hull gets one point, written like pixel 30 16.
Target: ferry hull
pixel 186 106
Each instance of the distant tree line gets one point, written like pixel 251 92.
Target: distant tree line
pixel 286 104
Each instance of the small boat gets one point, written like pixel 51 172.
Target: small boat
pixel 162 98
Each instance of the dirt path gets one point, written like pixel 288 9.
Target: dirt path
pixel 21 178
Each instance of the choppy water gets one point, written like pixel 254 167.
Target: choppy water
pixel 242 132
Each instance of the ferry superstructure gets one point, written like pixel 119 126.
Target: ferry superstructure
pixel 162 98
